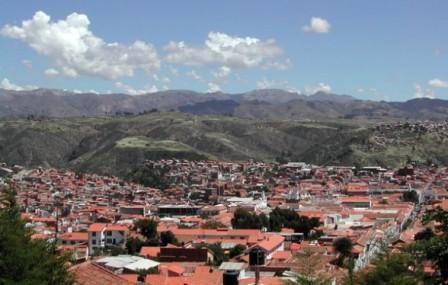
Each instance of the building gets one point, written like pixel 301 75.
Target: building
pixel 106 235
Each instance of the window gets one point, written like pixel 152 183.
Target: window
pixel 109 233
pixel 94 234
pixel 93 241
pixel 109 240
pixel 64 242
pixel 72 242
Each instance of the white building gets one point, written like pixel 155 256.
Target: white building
pixel 106 235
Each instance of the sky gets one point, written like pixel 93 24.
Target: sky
pixel 377 50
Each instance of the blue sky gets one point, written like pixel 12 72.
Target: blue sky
pixel 381 50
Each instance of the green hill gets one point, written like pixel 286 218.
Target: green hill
pixel 116 145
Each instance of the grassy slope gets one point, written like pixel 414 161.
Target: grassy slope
pixel 117 145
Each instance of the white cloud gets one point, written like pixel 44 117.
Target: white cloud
pixel 28 63
pixel 213 87
pixel 77 91
pixel 132 91
pixel 77 51
pixel 162 79
pixel 421 92
pixel 194 75
pixel 225 50
pixel 275 84
pixel 317 25
pixel 438 83
pixel 8 85
pixel 321 87
pixel 279 65
pixel 222 73
pixel 360 90
pixel 51 72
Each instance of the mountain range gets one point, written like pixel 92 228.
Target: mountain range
pixel 267 104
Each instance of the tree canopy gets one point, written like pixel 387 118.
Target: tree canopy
pixel 24 260
pixel 278 219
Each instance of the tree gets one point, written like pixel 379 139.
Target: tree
pixel 425 234
pixel 410 196
pixel 168 237
pixel 219 255
pixel 148 228
pixel 23 260
pixel 392 269
pixel 243 219
pixel 237 250
pixel 344 247
pixel 133 245
pixel 309 270
pixel 435 248
pixel 213 225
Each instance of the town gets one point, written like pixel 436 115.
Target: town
pixel 221 222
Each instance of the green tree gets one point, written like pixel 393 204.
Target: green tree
pixel 392 269
pixel 435 248
pixel 213 225
pixel 237 250
pixel 168 237
pixel 23 260
pixel 410 196
pixel 148 228
pixel 425 234
pixel 133 245
pixel 344 247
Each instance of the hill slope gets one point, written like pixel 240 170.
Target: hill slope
pixel 116 145
pixel 268 104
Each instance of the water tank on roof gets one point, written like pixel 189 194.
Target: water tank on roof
pixel 256 257
pixel 230 277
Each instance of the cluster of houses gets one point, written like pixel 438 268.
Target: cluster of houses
pixel 87 213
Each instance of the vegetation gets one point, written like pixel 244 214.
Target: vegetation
pixel 148 228
pixel 168 237
pixel 213 225
pixel 392 269
pixel 22 259
pixel 278 219
pixel 237 250
pixel 219 256
pixel 410 196
pixel 309 270
pixel 434 247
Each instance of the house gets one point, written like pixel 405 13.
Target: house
pixel 74 238
pixel 106 235
pixel 271 244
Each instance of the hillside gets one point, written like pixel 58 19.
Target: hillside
pixel 266 104
pixel 116 145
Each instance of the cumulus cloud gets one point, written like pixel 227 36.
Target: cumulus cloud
pixel 8 85
pixel 225 50
pixel 275 84
pixel 162 79
pixel 194 75
pixel 51 72
pixel 317 25
pixel 421 92
pixel 132 91
pixel 222 73
pixel 75 50
pixel 213 87
pixel 321 87
pixel 438 83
